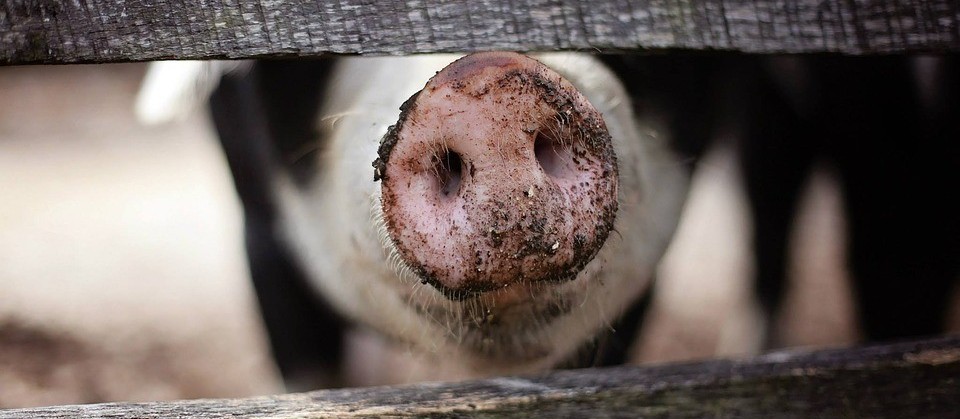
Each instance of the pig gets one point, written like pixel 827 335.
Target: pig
pixel 382 197
pixel 495 213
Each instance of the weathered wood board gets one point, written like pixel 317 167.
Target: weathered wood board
pixel 903 380
pixel 98 31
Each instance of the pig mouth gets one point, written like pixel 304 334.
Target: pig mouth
pixel 509 324
pixel 512 326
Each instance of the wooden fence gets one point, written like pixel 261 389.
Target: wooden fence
pixel 902 380
pixel 99 31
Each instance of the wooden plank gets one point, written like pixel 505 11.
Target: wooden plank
pixel 903 380
pixel 99 31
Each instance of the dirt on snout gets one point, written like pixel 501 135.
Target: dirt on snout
pixel 534 171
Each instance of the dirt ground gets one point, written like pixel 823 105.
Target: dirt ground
pixel 122 274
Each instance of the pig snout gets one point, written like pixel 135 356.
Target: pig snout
pixel 498 173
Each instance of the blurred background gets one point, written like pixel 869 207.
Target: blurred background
pixel 122 273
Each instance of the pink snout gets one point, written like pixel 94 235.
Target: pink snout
pixel 498 173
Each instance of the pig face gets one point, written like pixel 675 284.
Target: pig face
pixel 515 206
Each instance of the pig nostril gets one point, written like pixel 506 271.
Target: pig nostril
pixel 449 169
pixel 551 154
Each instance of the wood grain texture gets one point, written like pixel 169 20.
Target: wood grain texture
pixel 904 380
pixel 98 31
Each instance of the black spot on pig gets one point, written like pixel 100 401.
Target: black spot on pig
pixel 264 120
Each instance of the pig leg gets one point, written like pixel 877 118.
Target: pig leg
pixel 260 137
pixel 903 247
pixel 777 152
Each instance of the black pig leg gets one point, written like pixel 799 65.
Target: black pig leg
pixel 777 152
